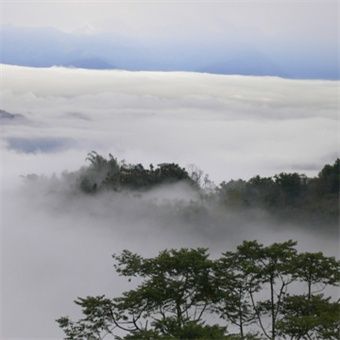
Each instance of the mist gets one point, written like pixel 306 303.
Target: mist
pixel 57 242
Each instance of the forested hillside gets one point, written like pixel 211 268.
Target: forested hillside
pixel 286 196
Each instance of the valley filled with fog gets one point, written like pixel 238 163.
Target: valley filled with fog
pixel 57 242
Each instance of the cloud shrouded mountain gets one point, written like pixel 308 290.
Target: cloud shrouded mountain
pixel 44 47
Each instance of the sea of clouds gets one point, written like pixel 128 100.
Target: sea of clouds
pixel 56 244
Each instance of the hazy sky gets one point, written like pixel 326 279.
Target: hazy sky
pixel 297 39
pixel 305 21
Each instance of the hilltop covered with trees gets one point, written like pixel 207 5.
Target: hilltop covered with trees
pixel 110 174
pixel 254 292
pixel 285 196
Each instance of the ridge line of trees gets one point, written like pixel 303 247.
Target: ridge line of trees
pixel 286 196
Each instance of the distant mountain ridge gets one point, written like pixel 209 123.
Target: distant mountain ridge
pixel 7 117
pixel 91 63
pixel 48 47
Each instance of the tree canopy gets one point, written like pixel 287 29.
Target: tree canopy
pixel 111 174
pixel 290 197
pixel 248 293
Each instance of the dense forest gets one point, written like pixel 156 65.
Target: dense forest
pixel 255 292
pixel 286 196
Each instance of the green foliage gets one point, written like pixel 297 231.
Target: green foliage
pixel 235 278
pixel 191 330
pixel 314 268
pixel 177 288
pixel 312 317
pixel 328 179
pixel 110 174
pixel 97 319
pixel 288 196
pixel 178 291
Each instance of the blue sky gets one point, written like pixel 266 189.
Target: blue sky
pixel 293 39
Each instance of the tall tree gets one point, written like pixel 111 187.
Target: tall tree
pixel 316 269
pixel 236 279
pixel 179 290
pixel 177 287
pixel 269 268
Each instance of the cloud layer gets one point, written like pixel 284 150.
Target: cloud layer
pixel 229 126
pixel 56 244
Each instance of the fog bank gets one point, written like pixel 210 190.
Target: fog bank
pixel 56 243
pixel 229 126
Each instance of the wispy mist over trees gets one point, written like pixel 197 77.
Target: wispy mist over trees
pixel 110 174
pixel 288 197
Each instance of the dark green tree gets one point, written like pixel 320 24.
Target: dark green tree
pixel 176 292
pixel 290 186
pixel 329 178
pixel 307 317
pixel 179 290
pixel 316 269
pixel 235 278
pixel 97 322
pixel 110 174
pixel 269 269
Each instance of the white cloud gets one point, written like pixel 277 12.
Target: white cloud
pixel 230 126
pixel 57 246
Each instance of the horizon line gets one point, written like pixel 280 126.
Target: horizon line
pixel 70 67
